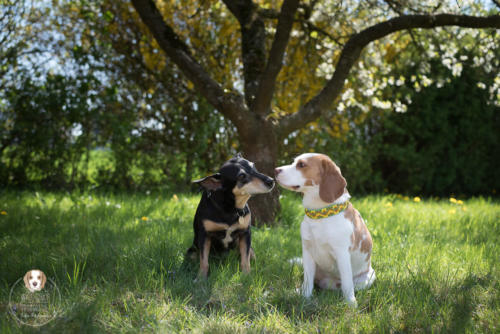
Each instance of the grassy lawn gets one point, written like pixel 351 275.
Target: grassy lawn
pixel 118 262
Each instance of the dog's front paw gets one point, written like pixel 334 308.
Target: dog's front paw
pixel 352 302
pixel 305 291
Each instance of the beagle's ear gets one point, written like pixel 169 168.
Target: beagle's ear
pixel 44 279
pixel 26 279
pixel 210 183
pixel 332 184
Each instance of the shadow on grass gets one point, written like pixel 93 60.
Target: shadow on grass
pixel 104 261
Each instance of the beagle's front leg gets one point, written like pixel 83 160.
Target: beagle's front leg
pixel 345 269
pixel 309 271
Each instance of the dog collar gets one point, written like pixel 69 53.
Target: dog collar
pixel 327 211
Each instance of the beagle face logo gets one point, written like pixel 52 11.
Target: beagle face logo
pixel 37 301
pixel 34 280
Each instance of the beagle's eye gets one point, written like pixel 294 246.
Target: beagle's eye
pixel 300 164
pixel 38 277
pixel 241 176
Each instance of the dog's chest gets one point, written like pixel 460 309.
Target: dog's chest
pixel 322 237
pixel 227 232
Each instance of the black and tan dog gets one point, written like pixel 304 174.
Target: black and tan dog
pixel 223 217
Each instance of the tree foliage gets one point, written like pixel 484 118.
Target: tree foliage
pixel 169 89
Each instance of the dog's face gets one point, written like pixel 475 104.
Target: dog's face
pixel 313 172
pixel 34 280
pixel 239 175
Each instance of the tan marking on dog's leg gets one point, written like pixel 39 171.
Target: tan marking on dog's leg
pixel 204 258
pixel 211 226
pixel 245 256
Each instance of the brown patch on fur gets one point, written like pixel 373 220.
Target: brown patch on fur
pixel 309 183
pixel 323 171
pixel 359 231
pixel 26 279
pixel 211 226
pixel 204 258
pixel 332 184
pixel 240 198
pixel 363 273
pixel 44 279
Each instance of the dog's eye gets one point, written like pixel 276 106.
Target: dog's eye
pixel 300 164
pixel 241 176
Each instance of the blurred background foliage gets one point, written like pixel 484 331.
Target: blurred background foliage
pixel 87 100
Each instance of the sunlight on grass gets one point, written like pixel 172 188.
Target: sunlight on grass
pixel 118 261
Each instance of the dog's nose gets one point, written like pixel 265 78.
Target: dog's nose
pixel 35 283
pixel 277 171
pixel 269 182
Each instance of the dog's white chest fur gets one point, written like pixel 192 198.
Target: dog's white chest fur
pixel 324 237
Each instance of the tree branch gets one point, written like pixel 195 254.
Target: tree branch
pixel 267 80
pixel 229 104
pixel 253 44
pixel 352 50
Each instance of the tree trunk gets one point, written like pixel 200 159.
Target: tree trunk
pixel 260 146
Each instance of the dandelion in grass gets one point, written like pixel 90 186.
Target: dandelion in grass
pixel 406 198
pixel 175 198
pixel 3 213
pixel 464 208
pixel 452 211
pixel 453 200
pixel 145 219
pixel 459 202
pixel 416 199
pixel 388 205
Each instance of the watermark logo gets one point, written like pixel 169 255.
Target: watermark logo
pixel 37 301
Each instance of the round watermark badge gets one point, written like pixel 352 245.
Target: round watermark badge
pixel 34 299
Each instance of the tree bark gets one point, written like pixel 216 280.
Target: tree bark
pixel 259 137
pixel 260 145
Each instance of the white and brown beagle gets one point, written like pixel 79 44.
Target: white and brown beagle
pixel 34 280
pixel 336 245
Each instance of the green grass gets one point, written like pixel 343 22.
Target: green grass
pixel 437 267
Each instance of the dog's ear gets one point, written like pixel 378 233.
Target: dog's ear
pixel 332 184
pixel 44 279
pixel 210 183
pixel 26 280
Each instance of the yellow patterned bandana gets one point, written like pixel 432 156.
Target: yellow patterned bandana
pixel 328 211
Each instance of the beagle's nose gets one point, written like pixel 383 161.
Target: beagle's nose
pixel 277 171
pixel 35 283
